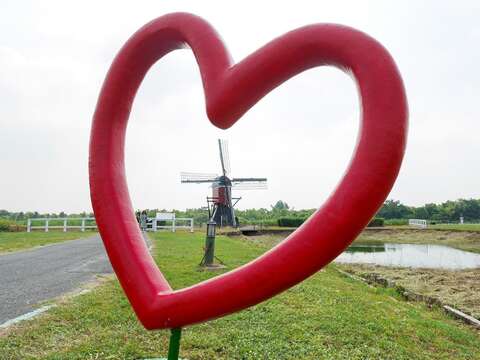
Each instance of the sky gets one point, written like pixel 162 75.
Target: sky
pixel 54 56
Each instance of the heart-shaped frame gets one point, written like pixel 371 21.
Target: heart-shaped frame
pixel 230 90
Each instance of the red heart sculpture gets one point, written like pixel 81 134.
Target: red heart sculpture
pixel 230 90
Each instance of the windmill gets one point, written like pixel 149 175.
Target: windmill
pixel 221 204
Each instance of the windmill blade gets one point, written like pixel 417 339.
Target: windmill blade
pixel 197 178
pixel 250 186
pixel 224 156
pixel 249 183
pixel 239 180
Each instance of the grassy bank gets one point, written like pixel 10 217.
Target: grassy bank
pixel 14 241
pixel 467 239
pixel 463 240
pixel 328 316
pixel 456 227
pixel 459 289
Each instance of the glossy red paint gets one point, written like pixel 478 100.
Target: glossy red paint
pixel 230 90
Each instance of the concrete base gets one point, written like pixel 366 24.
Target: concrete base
pixel 212 267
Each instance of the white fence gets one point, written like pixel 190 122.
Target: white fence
pixel 418 222
pixel 169 221
pixel 45 224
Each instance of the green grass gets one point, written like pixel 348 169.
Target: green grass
pixel 14 241
pixel 456 227
pixel 468 241
pixel 328 316
pixel 446 227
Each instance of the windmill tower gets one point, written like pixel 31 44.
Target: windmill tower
pixel 221 204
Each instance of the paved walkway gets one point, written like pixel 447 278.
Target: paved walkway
pixel 31 276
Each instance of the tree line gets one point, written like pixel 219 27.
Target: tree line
pixel 249 216
pixel 200 215
pixel 21 215
pixel 449 211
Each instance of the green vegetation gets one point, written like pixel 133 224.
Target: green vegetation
pixel 449 211
pixel 456 227
pixel 396 222
pixel 14 241
pixel 463 240
pixel 6 225
pixel 266 217
pixel 376 222
pixel 393 211
pixel 403 224
pixel 20 217
pixel 328 316
pixel 290 221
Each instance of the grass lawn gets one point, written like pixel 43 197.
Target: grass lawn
pixel 13 241
pixel 456 227
pixel 447 227
pixel 463 240
pixel 328 316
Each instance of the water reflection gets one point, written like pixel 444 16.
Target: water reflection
pixel 409 255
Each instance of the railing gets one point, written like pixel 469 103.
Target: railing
pixel 152 224
pixel 46 226
pixel 417 222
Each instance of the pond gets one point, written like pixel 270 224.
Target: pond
pixel 410 255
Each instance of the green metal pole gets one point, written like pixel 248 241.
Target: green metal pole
pixel 174 348
pixel 209 250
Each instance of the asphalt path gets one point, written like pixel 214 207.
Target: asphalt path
pixel 32 276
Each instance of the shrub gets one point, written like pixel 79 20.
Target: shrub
pixel 290 221
pixel 376 222
pixel 265 222
pixel 6 225
pixel 396 222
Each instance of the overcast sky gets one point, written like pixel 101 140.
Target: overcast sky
pixel 54 56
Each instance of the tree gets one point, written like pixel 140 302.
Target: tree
pixel 280 205
pixel 394 209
